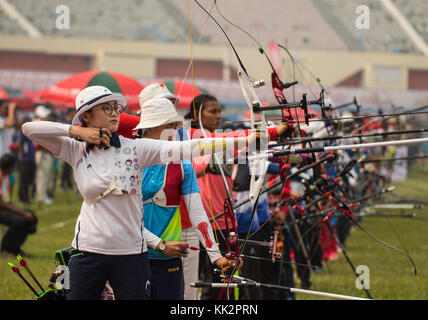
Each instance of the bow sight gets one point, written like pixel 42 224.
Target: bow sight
pixel 341 106
pixel 303 104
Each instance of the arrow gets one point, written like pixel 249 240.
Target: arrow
pixel 18 272
pixel 296 173
pixel 404 206
pixel 23 263
pixel 388 116
pixel 253 257
pixel 271 153
pixel 251 283
pixel 343 118
pixel 394 159
pixel 363 135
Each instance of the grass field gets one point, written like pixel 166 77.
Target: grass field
pixel 391 274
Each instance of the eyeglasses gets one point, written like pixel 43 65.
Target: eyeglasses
pixel 108 108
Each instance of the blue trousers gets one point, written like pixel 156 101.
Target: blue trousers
pixel 167 279
pixel 128 275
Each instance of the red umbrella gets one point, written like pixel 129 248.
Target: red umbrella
pixel 184 91
pixel 63 94
pixel 21 98
pixel 3 94
pixel 34 96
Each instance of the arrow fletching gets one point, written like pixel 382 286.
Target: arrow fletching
pixel 22 261
pixel 14 269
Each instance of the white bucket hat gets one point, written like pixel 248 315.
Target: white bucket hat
pixel 157 112
pixel 93 96
pixel 154 91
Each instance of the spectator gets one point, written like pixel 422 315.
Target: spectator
pixel 7 129
pixel 67 171
pixel 44 163
pixel 21 222
pixel 7 125
pixel 26 165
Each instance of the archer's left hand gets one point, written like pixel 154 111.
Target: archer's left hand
pixel 284 128
pixel 225 263
pixel 176 249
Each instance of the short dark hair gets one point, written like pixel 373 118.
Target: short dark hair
pixel 7 161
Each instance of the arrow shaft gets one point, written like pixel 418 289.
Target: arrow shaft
pixel 337 148
pixel 255 258
pixel 393 159
pixel 344 105
pixel 377 144
pixel 256 243
pixel 34 278
pixel 342 118
pixel 396 206
pixel 28 284
pixel 244 284
pixel 299 171
pixel 366 116
pixel 363 135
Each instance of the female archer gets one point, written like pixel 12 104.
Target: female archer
pixel 205 111
pixel 162 188
pixel 110 238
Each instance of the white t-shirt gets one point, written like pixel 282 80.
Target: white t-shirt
pixel 6 137
pixel 112 225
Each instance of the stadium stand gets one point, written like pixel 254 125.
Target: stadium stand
pixel 384 35
pixel 297 24
pixel 126 19
pixel 300 24
pixel 9 26
pixel 303 24
pixel 30 80
pixel 416 14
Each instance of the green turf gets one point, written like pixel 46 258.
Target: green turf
pixel 42 245
pixel 391 274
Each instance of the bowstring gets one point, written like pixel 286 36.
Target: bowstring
pixel 194 116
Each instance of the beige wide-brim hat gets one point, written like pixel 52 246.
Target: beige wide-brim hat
pixel 154 91
pixel 92 96
pixel 157 112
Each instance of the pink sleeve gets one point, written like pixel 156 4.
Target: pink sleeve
pixel 197 133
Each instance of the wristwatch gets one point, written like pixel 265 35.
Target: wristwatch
pixel 162 245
